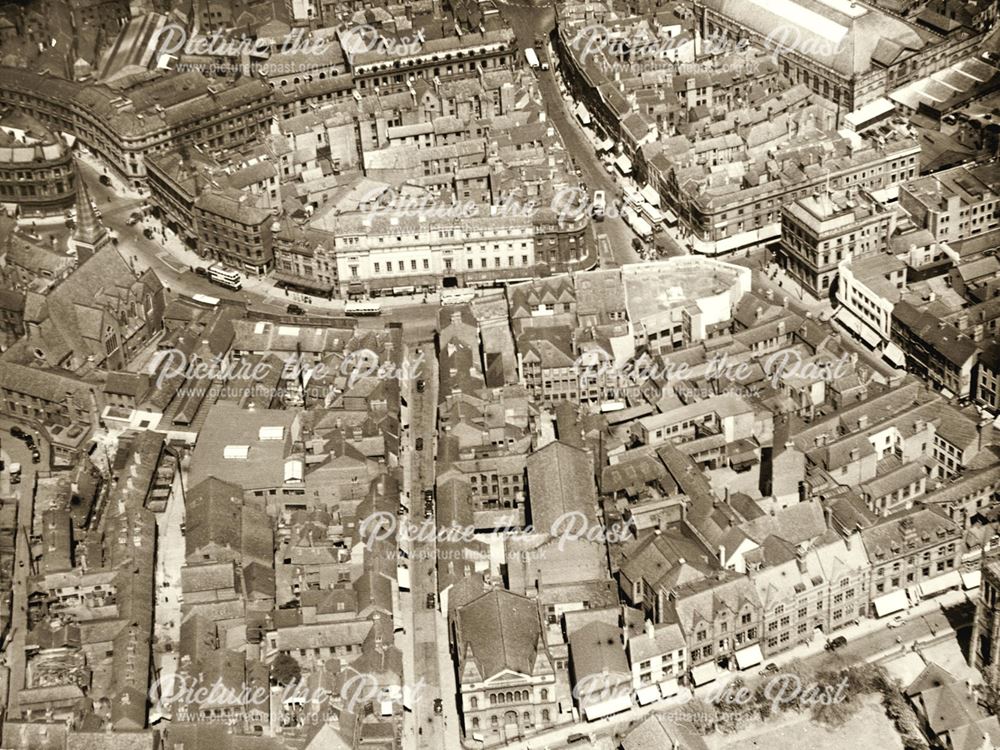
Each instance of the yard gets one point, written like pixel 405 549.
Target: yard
pixel 869 727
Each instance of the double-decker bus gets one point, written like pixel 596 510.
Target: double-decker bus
pixel 227 277
pixel 363 308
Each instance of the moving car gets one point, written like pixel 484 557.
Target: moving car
pixel 896 621
pixel 104 180
pixel 420 386
pixel 15 473
pixel 133 218
pixel 438 705
pixel 420 443
pixel 295 310
pixel 770 668
pixel 431 601
pixel 17 432
pixel 576 737
pixel 147 233
pixel 838 642
pixel 36 457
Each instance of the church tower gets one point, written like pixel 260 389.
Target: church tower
pixel 984 649
pixel 89 236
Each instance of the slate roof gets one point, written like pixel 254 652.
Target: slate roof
pixel 500 631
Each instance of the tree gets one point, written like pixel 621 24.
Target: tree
pixel 285 670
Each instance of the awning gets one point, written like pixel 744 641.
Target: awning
pixel 624 164
pixel 669 688
pixel 749 657
pixel 894 355
pixel 613 705
pixel 606 145
pixel 971 578
pixel 647 695
pixel 582 114
pixel 704 673
pixel 890 603
pixel 670 217
pixel 857 328
pixel 651 196
pixel 936 585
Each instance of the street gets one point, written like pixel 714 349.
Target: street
pixel 538 19
pixel 173 262
pixel 427 639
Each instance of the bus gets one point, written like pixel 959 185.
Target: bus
pixel 363 308
pixel 227 277
pixel 600 205
pixel 531 57
pixel 204 299
pixel 457 296
pixel 638 224
pixel 651 214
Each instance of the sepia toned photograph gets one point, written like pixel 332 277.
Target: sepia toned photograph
pixel 488 374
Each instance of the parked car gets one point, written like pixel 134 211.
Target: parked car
pixel 438 705
pixel 420 443
pixel 36 457
pixel 104 180
pixel 15 473
pixel 431 601
pixel 838 642
pixel 896 621
pixel 147 233
pixel 201 271
pixel 29 441
pixel 17 432
pixel 576 737
pixel 421 385
pixel 133 218
pixel 770 668
pixel 295 310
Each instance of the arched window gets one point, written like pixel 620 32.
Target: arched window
pixel 475 723
pixel 545 714
pixel 545 694
pixel 493 720
pixel 474 703
pixel 493 700
pixel 527 717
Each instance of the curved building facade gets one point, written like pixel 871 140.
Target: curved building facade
pixel 36 168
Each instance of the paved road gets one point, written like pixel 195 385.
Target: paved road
pixel 528 22
pixel 173 264
pixel 427 639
